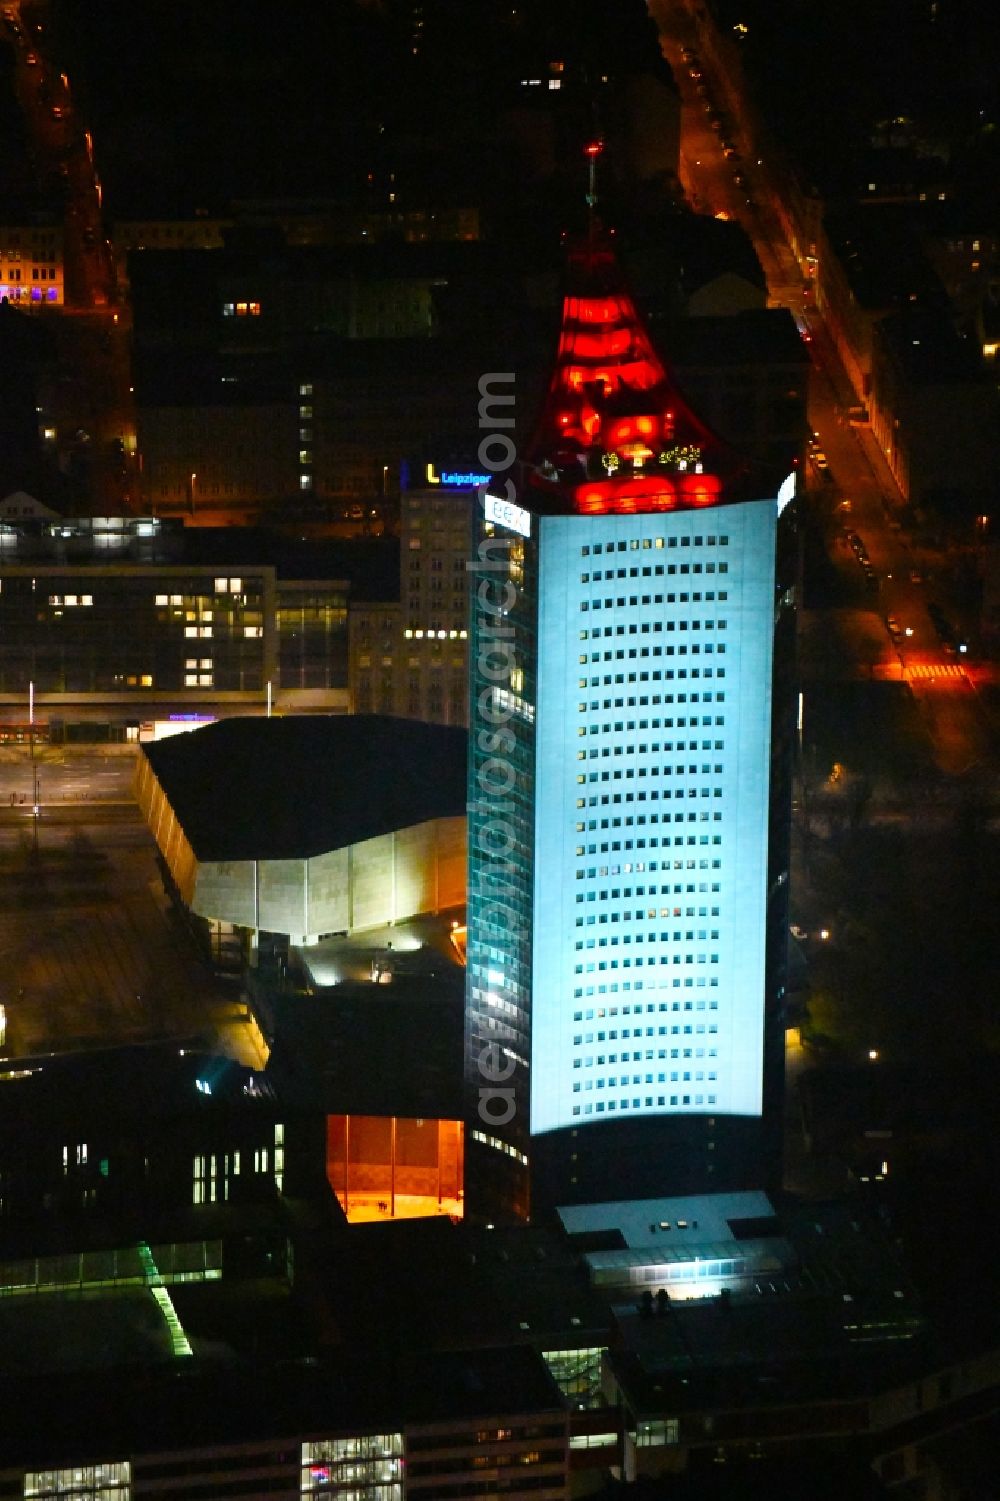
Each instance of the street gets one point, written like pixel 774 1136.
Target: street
pixel 748 186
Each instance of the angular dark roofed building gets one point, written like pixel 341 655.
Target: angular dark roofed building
pixel 310 825
pixel 628 815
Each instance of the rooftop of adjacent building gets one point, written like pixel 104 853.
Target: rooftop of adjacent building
pixel 927 347
pixel 881 257
pixel 379 1029
pixel 161 1407
pixel 692 1220
pixel 45 532
pixel 762 337
pixel 299 786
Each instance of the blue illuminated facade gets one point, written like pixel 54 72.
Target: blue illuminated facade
pixel 652 771
pixel 631 649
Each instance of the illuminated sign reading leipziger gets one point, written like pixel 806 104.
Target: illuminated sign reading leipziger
pixel 455 478
pixel 504 513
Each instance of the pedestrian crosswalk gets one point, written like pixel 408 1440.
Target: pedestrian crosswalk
pixel 934 670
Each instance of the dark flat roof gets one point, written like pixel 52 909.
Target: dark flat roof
pixel 290 788
pixel 373 1050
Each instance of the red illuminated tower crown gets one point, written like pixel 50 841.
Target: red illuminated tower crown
pixel 615 434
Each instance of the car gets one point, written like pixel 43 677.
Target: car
pixel 718 124
pixel 819 458
pixel 895 629
pixel 729 150
pixel 695 72
pixel 57 112
pixel 689 54
pixel 739 179
pixel 846 506
pixel 31 58
pixel 916 577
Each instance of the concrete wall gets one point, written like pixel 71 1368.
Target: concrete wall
pixel 382 880
pixel 165 829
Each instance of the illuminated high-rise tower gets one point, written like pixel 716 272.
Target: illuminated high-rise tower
pixel 628 836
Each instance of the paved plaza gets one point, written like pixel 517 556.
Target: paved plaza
pixel 91 951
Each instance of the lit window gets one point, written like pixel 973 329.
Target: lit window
pixel 97 1482
pixel 305 390
pixel 305 481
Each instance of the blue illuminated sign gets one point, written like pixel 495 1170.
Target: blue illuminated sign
pixel 455 478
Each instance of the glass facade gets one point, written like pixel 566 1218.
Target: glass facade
pixel 577 1373
pixel 312 636
pixel 366 1468
pixel 98 1482
pixel 501 803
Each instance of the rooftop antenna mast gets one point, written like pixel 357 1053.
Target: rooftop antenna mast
pixel 592 151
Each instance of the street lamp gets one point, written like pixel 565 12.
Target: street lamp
pixel 34 766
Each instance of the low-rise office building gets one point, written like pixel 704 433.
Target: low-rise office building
pixel 114 624
pixel 411 658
